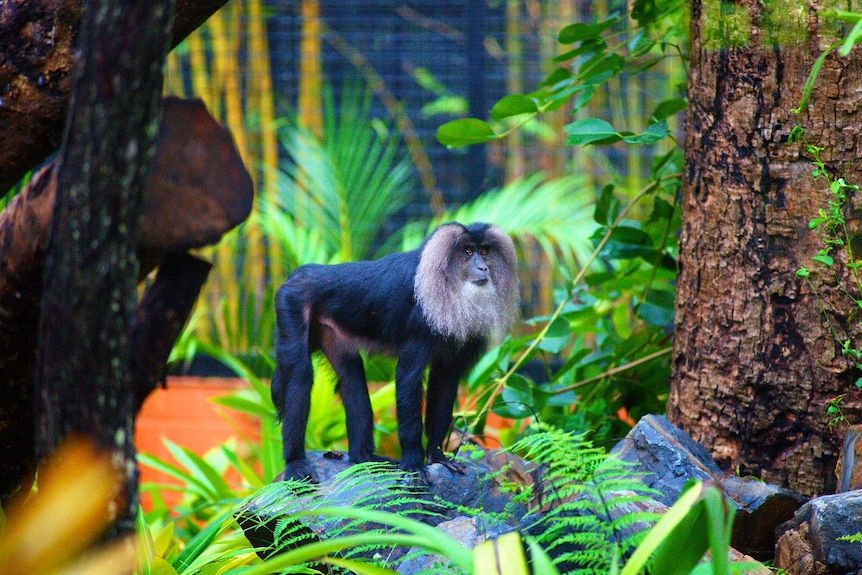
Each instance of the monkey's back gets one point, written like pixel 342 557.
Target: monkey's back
pixel 369 300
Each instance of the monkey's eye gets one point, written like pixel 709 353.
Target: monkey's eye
pixel 483 252
pixel 468 252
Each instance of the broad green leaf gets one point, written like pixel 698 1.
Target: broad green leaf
pixel 627 242
pixel 502 555
pixel 464 132
pixel 250 406
pixel 517 399
pixel 557 337
pixel 201 542
pixel 542 564
pixel 580 31
pixel 851 40
pixel 654 133
pixel 587 48
pixel 591 131
pixel 808 87
pixel 668 108
pixel 671 534
pixel 824 259
pixel 513 105
pixel 658 309
pixel 601 68
pixel 607 206
pixel 555 77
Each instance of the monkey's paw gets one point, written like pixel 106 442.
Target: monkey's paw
pixel 450 464
pixel 300 470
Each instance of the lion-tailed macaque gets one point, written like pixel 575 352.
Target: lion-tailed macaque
pixel 438 305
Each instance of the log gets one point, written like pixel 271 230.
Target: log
pixel 199 189
pixel 37 40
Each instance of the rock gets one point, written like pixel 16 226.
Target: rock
pixel 761 507
pixel 809 543
pixel 670 458
pixel 468 531
pixel 667 456
pixel 265 517
pixel 848 471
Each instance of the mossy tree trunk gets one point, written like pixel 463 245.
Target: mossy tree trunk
pixel 83 379
pixel 755 362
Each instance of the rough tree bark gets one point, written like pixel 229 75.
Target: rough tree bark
pixel 754 361
pixel 83 379
pixel 37 39
pixel 199 190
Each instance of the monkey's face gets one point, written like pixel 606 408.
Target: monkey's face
pixel 476 270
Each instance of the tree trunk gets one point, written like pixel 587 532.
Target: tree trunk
pixel 37 42
pixel 755 362
pixel 83 380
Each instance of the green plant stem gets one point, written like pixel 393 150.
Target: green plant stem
pixel 616 370
pixel 501 382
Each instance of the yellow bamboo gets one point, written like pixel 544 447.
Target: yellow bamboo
pixel 261 99
pixel 310 70
pixel 226 75
pixel 200 75
pixel 214 59
pixel 514 85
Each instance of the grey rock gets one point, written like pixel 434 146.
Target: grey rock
pixel 669 458
pixel 809 543
pixel 666 455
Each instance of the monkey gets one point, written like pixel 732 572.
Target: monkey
pixel 439 305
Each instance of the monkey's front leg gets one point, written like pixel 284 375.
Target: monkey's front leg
pixel 440 401
pixel 412 360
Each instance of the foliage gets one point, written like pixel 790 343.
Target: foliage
pixel 347 185
pixel 831 222
pixel 604 347
pixel 582 512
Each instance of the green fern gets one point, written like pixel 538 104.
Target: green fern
pixel 580 515
pixel 390 489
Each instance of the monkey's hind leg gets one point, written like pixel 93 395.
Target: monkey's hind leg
pixel 291 384
pixel 359 417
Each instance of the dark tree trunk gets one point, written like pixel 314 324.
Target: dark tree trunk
pixel 199 189
pixel 754 360
pixel 83 381
pixel 37 45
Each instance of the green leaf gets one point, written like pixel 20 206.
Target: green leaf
pixel 201 542
pixel 628 242
pixel 503 554
pixel 557 337
pixel 591 131
pixel 465 132
pixel 658 309
pixel 680 537
pixel 513 105
pixel 802 273
pixel 587 48
pixel 555 77
pixel 580 31
pixel 601 68
pixel 668 108
pixel 517 400
pixel 851 40
pixel 808 87
pixel 824 259
pixel 607 207
pixel 654 133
